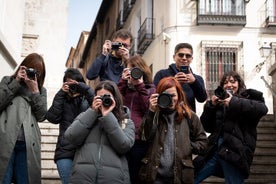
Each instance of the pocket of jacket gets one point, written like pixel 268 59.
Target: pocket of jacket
pixel 187 172
pixel 145 170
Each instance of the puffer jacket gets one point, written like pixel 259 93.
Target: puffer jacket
pixel 237 124
pixel 190 138
pixel 63 111
pixel 19 109
pixel 102 144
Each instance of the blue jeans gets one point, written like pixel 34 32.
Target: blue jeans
pixel 64 167
pixel 17 167
pixel 215 166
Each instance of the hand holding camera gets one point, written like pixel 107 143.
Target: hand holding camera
pixel 121 50
pixel 103 104
pixel 185 75
pixel 106 47
pixel 222 96
pixel 29 76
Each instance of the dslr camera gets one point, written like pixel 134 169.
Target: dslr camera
pixel 116 45
pixel 221 93
pixel 164 100
pixel 31 73
pixel 136 73
pixel 74 88
pixel 107 101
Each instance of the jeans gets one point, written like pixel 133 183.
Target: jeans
pixel 64 167
pixel 17 168
pixel 215 166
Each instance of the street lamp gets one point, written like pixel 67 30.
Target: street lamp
pixel 265 49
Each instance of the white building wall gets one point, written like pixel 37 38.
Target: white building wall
pixel 178 20
pixel 11 28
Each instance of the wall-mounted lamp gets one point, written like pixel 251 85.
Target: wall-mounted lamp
pixel 265 49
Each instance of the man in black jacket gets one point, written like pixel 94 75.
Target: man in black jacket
pixel 192 84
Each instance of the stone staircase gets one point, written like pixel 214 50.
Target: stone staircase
pixel 263 170
pixel 49 133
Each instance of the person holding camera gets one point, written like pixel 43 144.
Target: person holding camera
pixel 73 98
pixel 110 64
pixel 23 103
pixel 231 117
pixel 174 132
pixel 136 87
pixel 103 134
pixel 192 84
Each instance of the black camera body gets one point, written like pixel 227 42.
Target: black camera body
pixel 31 73
pixel 164 100
pixel 106 99
pixel 136 73
pixel 74 88
pixel 116 45
pixel 221 93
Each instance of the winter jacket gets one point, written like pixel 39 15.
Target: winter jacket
pixel 190 138
pixel 237 125
pixel 17 110
pixel 102 144
pixel 106 68
pixel 63 112
pixel 136 99
pixel 192 91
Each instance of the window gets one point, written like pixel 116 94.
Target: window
pixel 271 12
pixel 221 7
pixel 218 58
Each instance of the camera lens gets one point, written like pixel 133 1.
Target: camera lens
pixel 73 88
pixel 31 73
pixel 136 73
pixel 221 93
pixel 164 100
pixel 107 101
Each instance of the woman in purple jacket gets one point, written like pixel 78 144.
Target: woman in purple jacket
pixel 136 87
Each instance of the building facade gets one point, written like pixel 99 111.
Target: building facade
pixel 226 35
pixel 40 26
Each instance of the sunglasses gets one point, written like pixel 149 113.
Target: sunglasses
pixel 181 55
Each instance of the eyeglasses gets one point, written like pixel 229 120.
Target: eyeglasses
pixel 181 55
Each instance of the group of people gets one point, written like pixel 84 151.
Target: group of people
pixel 132 127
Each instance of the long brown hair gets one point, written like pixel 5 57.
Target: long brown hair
pixel 138 61
pixel 181 105
pixel 36 62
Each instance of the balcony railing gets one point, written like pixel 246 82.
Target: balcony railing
pixel 227 12
pixel 271 21
pixel 221 20
pixel 145 35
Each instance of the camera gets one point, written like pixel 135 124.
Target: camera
pixel 136 73
pixel 185 69
pixel 74 88
pixel 107 101
pixel 116 45
pixel 221 93
pixel 164 100
pixel 31 73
